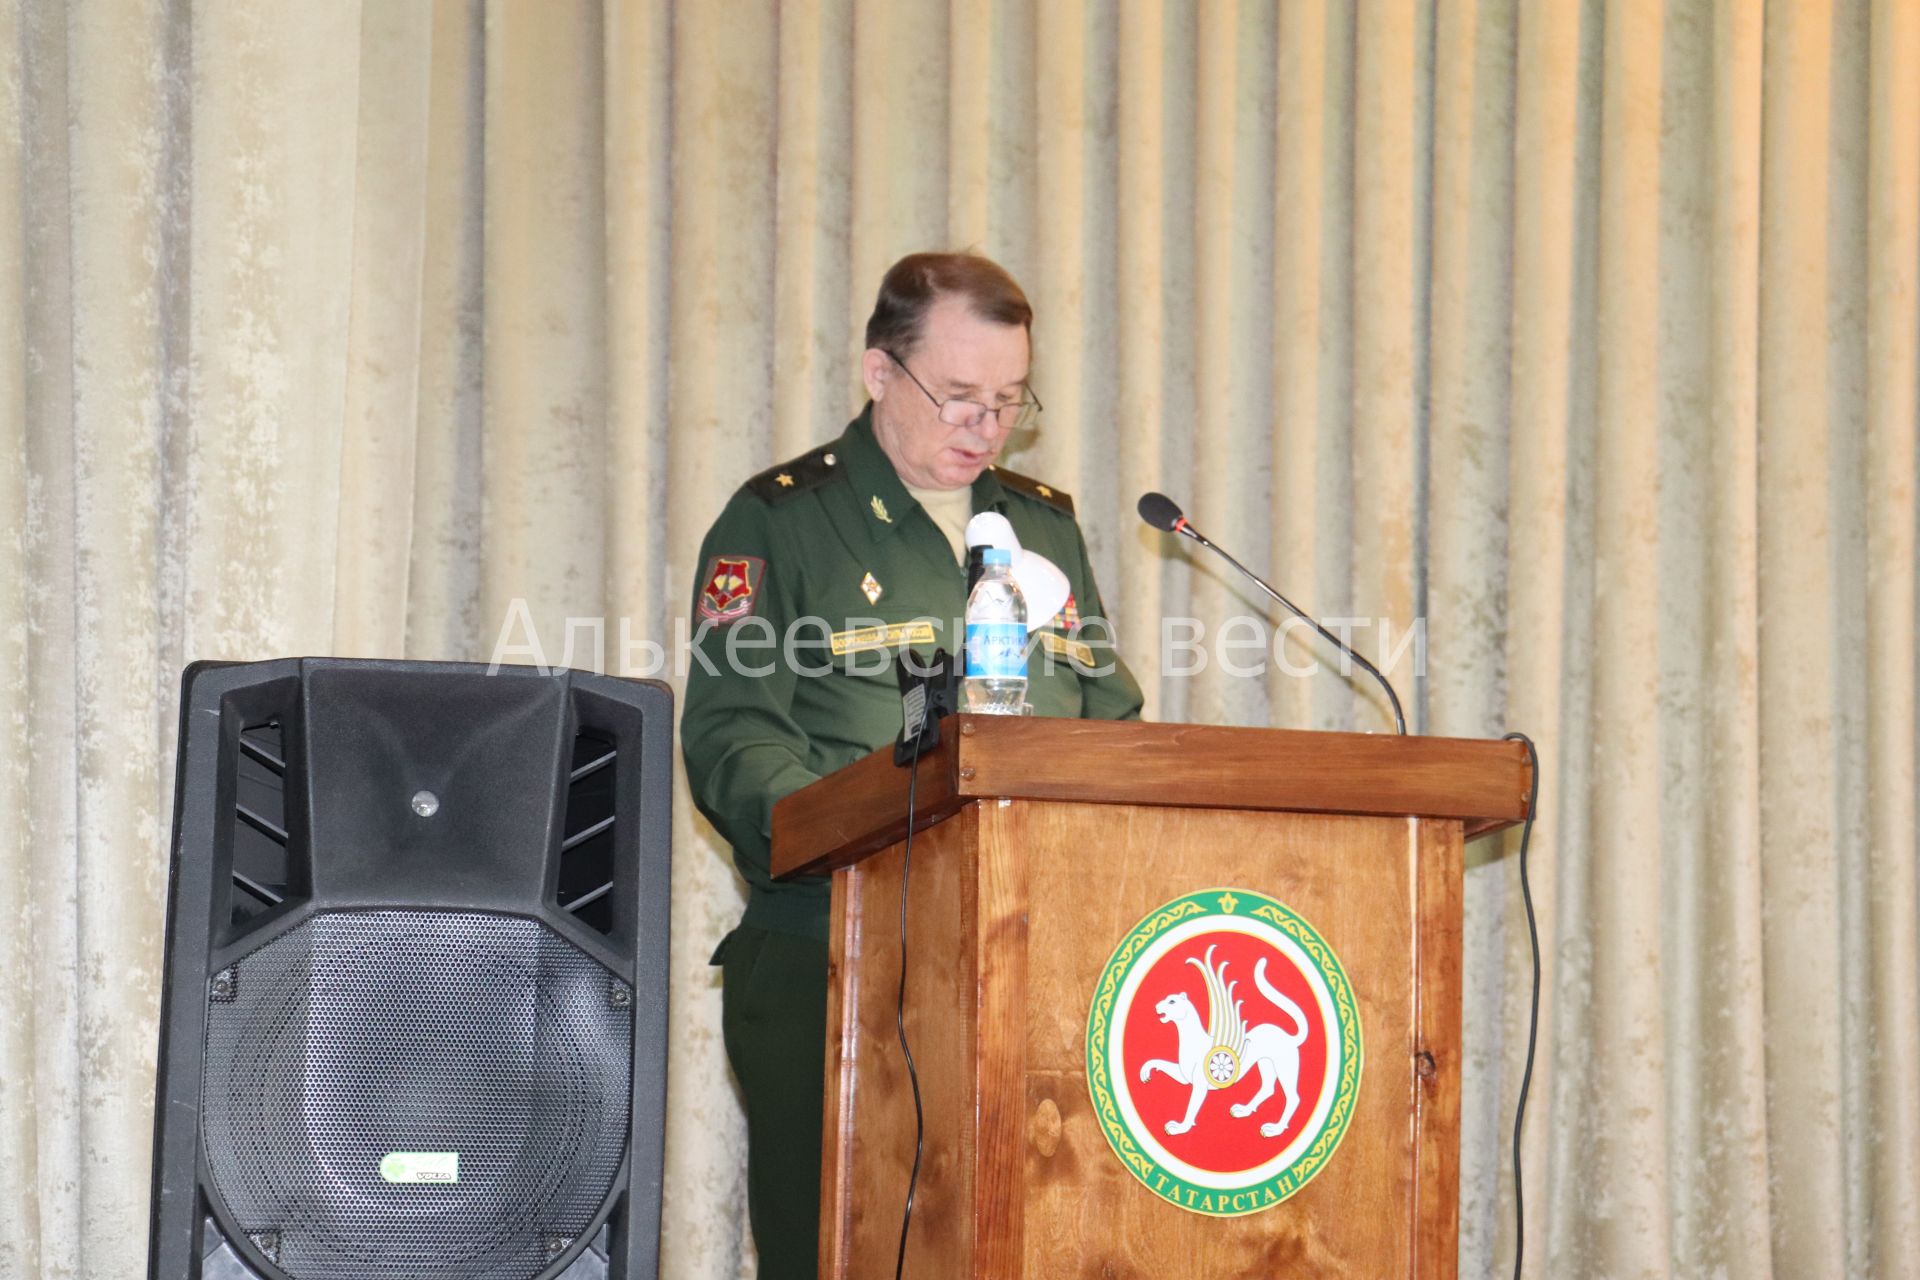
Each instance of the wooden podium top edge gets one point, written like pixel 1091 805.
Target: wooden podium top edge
pixel 862 808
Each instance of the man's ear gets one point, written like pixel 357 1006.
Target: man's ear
pixel 876 370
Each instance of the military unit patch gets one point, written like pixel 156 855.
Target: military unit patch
pixel 728 587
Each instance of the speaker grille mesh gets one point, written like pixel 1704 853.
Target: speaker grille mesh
pixel 360 1034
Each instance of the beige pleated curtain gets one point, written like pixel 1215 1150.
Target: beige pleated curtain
pixel 1583 334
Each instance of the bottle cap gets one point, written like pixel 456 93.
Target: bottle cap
pixel 996 555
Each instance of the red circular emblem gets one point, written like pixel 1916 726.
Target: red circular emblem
pixel 1172 1007
pixel 1223 1052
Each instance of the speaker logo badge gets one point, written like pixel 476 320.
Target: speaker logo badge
pixel 726 594
pixel 1224 1052
pixel 402 1167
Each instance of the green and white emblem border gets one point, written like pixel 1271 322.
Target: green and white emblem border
pixel 1174 1180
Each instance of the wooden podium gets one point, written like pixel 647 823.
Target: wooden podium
pixel 1042 845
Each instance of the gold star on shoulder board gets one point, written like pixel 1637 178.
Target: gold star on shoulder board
pixel 784 480
pixel 880 510
pixel 1044 491
pixel 870 586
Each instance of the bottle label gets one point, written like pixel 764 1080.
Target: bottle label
pixel 997 650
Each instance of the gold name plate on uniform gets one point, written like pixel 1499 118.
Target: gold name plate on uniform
pixel 893 636
pixel 888 637
pixel 1073 650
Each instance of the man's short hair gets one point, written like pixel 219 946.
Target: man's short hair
pixel 913 284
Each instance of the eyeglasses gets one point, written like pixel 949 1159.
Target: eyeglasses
pixel 970 413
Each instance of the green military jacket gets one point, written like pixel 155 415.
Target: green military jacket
pixel 812 580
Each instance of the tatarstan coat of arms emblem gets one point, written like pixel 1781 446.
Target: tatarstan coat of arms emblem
pixel 1223 1052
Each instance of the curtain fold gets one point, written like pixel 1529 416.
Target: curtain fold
pixel 1892 1193
pixel 1566 354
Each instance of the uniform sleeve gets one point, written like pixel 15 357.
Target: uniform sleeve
pixel 743 749
pixel 1115 695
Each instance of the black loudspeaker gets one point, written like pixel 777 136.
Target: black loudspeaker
pixel 414 1021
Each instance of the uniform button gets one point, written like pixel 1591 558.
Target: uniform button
pixel 829 459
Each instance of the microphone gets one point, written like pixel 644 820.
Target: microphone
pixel 1163 513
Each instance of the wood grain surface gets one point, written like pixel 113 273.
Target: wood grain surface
pixel 1001 1022
pixel 869 1123
pixel 1439 907
pixel 862 808
pixel 1014 910
pixel 1353 880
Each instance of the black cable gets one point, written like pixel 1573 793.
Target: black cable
pixel 900 1023
pixel 1533 1012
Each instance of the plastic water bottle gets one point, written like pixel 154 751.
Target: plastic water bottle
pixel 997 640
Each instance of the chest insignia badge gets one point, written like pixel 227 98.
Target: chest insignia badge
pixel 870 585
pixel 880 510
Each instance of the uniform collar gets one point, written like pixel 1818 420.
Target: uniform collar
pixel 884 500
pixel 988 493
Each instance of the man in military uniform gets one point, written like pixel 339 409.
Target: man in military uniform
pixel 816 575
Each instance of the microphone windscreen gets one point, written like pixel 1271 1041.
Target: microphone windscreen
pixel 1160 511
pixel 1043 586
pixel 991 529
